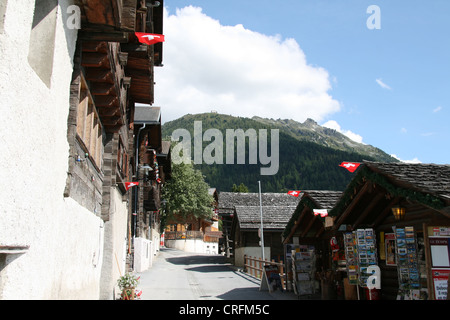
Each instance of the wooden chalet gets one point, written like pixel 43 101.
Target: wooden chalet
pixel 305 228
pixel 152 164
pixel 394 200
pixel 243 210
pixel 112 73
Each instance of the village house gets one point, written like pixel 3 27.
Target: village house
pixel 244 210
pixel 69 87
pixel 191 234
pixel 308 230
pixel 151 171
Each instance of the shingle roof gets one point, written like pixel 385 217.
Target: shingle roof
pixel 274 217
pixel 324 198
pixel 148 115
pixel 233 199
pixel 428 178
pixel 313 199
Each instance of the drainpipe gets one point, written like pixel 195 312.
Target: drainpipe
pixel 136 194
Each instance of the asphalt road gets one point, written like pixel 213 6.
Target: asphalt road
pixel 178 275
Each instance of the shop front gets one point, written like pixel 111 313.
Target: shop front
pixel 393 222
pixel 306 240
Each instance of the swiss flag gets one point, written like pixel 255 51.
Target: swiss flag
pixel 322 212
pixel 149 38
pixel 350 166
pixel 294 193
pixel 128 185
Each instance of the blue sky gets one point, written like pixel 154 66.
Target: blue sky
pixel 294 59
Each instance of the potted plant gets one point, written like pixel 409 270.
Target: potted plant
pixel 127 283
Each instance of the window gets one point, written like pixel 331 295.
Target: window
pixel 122 160
pixel 89 129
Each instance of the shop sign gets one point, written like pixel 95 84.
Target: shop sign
pixel 440 282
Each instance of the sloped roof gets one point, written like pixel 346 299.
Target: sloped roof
pixel 312 199
pixel 147 115
pixel 325 199
pixel 429 178
pixel 230 200
pixel 274 217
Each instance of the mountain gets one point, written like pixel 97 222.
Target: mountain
pixel 309 155
pixel 313 132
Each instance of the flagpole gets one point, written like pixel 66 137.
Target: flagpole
pixel 262 229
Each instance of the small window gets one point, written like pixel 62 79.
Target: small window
pixel 122 160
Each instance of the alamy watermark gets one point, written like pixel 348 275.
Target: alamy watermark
pixel 213 153
pixel 374 20
pixel 74 19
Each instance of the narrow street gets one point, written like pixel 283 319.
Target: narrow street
pixel 178 275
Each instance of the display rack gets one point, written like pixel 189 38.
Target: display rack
pixel 303 267
pixel 407 264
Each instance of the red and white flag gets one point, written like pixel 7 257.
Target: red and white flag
pixel 322 212
pixel 149 38
pixel 128 185
pixel 350 166
pixel 294 193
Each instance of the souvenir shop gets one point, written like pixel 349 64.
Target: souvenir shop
pixel 392 240
pixel 306 243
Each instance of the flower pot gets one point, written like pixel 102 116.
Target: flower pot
pixel 128 294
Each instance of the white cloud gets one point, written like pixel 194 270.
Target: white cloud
pixel 332 124
pixel 382 84
pixel 437 109
pixel 415 160
pixel 233 70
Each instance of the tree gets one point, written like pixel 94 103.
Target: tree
pixel 242 188
pixel 186 194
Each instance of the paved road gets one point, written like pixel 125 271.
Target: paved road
pixel 177 275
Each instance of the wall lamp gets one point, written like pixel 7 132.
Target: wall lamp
pixel 398 212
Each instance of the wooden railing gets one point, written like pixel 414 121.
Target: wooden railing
pixel 178 235
pixel 254 267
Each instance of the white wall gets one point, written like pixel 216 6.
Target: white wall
pixel 193 245
pixel 239 254
pixel 114 262
pixel 143 257
pixel 65 240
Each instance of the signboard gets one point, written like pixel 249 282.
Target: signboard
pixel 440 252
pixel 440 283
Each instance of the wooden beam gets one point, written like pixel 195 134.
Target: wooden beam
pixel 308 227
pixel 134 47
pixel 102 89
pixel 95 46
pixel 106 101
pixel 108 112
pixel 109 36
pixel 385 212
pixel 368 209
pixel 351 206
pixel 297 222
pixel 94 59
pixel 99 75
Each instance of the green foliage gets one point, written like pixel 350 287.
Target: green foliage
pixel 304 165
pixel 186 194
pixel 128 281
pixel 241 188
